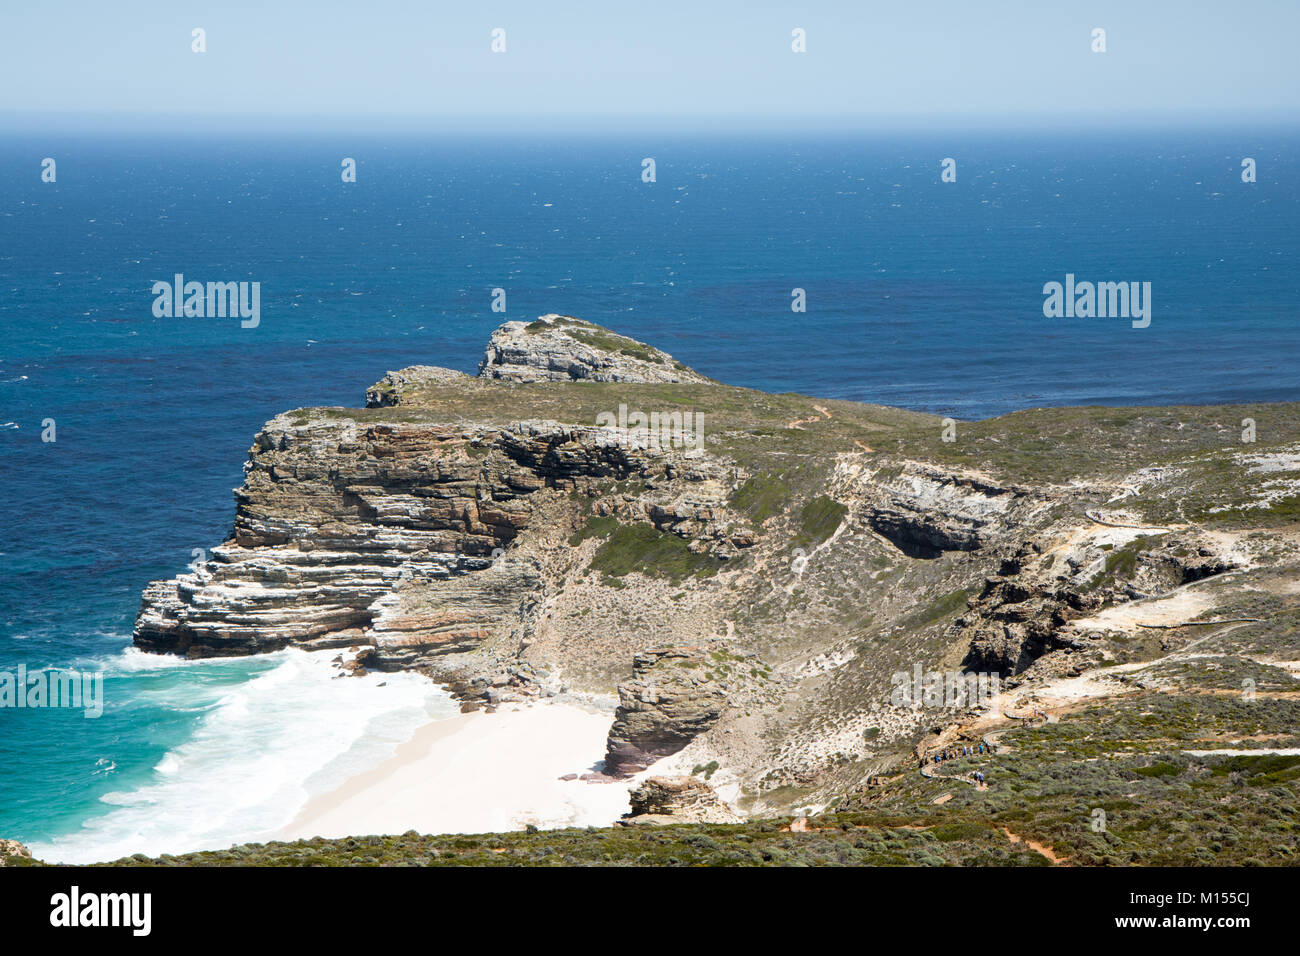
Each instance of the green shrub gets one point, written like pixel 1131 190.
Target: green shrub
pixel 644 548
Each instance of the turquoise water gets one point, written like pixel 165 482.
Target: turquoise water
pixel 920 294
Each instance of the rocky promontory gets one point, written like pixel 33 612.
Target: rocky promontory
pixel 749 599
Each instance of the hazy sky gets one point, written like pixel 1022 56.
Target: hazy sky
pixel 400 58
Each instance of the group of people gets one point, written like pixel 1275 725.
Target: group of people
pixel 966 750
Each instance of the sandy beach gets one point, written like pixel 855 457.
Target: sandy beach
pixel 475 773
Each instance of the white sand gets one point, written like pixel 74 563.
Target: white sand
pixel 477 773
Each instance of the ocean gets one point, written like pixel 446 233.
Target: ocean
pixel 920 293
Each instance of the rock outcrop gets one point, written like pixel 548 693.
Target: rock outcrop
pixel 1026 611
pixel 560 348
pixel 667 800
pixel 388 391
pixel 12 849
pixel 1015 622
pixel 926 511
pixel 669 701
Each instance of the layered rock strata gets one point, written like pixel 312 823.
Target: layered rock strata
pixel 926 511
pixel 388 534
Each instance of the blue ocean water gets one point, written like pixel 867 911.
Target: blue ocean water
pixel 919 293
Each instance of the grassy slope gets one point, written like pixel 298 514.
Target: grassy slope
pixel 1035 446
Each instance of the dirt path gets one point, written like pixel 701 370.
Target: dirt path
pixel 927 771
pixel 799 422
pixel 1045 851
pixel 1169 610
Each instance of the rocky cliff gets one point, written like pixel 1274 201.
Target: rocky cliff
pixel 751 598
pixel 344 529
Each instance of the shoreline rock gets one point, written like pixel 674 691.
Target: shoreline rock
pixel 668 703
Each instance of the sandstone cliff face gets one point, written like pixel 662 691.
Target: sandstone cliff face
pixel 335 515
pixel 558 348
pixel 669 701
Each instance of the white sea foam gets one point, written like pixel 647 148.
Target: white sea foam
pixel 132 660
pixel 263 749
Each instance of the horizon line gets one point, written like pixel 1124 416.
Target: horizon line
pixel 562 122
